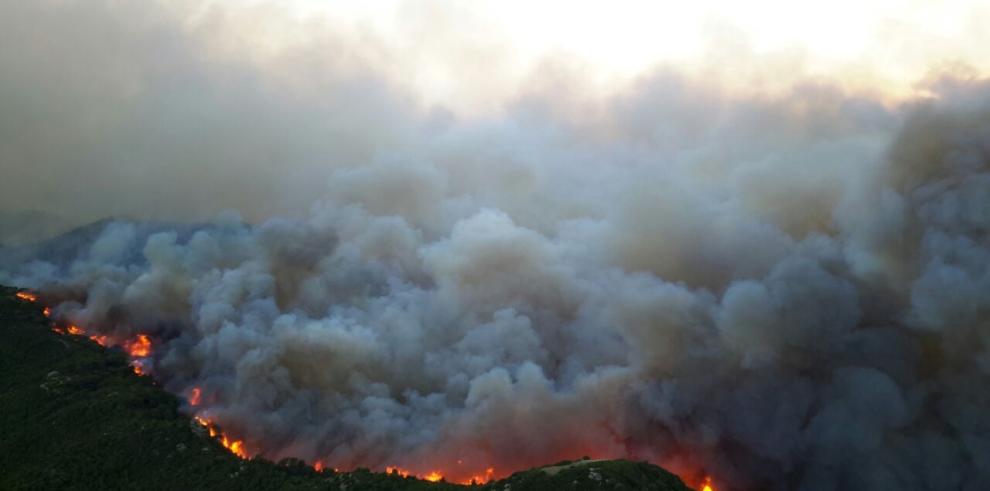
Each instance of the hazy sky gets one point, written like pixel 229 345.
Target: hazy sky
pixel 886 44
pixel 182 109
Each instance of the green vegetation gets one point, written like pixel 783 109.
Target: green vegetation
pixel 73 416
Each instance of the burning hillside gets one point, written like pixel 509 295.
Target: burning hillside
pixel 139 351
pixel 739 350
pixel 389 240
pixel 90 403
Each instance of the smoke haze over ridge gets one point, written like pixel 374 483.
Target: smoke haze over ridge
pixel 787 290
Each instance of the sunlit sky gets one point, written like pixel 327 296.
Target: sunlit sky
pixel 371 70
pixel 462 53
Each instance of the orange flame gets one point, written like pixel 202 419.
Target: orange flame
pixel 77 331
pixel 236 447
pixel 488 476
pixel 140 347
pixel 100 339
pixel 205 423
pixel 435 476
pixel 27 296
pixel 194 396
pixel 318 467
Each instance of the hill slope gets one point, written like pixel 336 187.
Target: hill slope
pixel 74 416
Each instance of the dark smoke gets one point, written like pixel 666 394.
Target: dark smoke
pixel 786 292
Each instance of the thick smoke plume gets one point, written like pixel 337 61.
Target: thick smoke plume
pixel 785 292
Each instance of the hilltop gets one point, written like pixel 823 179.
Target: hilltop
pixel 74 416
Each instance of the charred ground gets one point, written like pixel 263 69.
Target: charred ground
pixel 73 415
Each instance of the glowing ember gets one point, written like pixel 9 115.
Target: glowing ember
pixel 707 485
pixel 47 312
pixel 27 296
pixel 194 396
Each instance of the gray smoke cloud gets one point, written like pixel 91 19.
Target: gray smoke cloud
pixel 785 292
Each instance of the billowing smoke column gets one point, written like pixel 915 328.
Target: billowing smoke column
pixel 799 302
pixel 785 291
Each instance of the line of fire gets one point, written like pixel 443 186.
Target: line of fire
pixel 140 350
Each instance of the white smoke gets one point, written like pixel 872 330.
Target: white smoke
pixel 787 292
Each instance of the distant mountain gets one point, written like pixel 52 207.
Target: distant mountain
pixel 72 244
pixel 74 416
